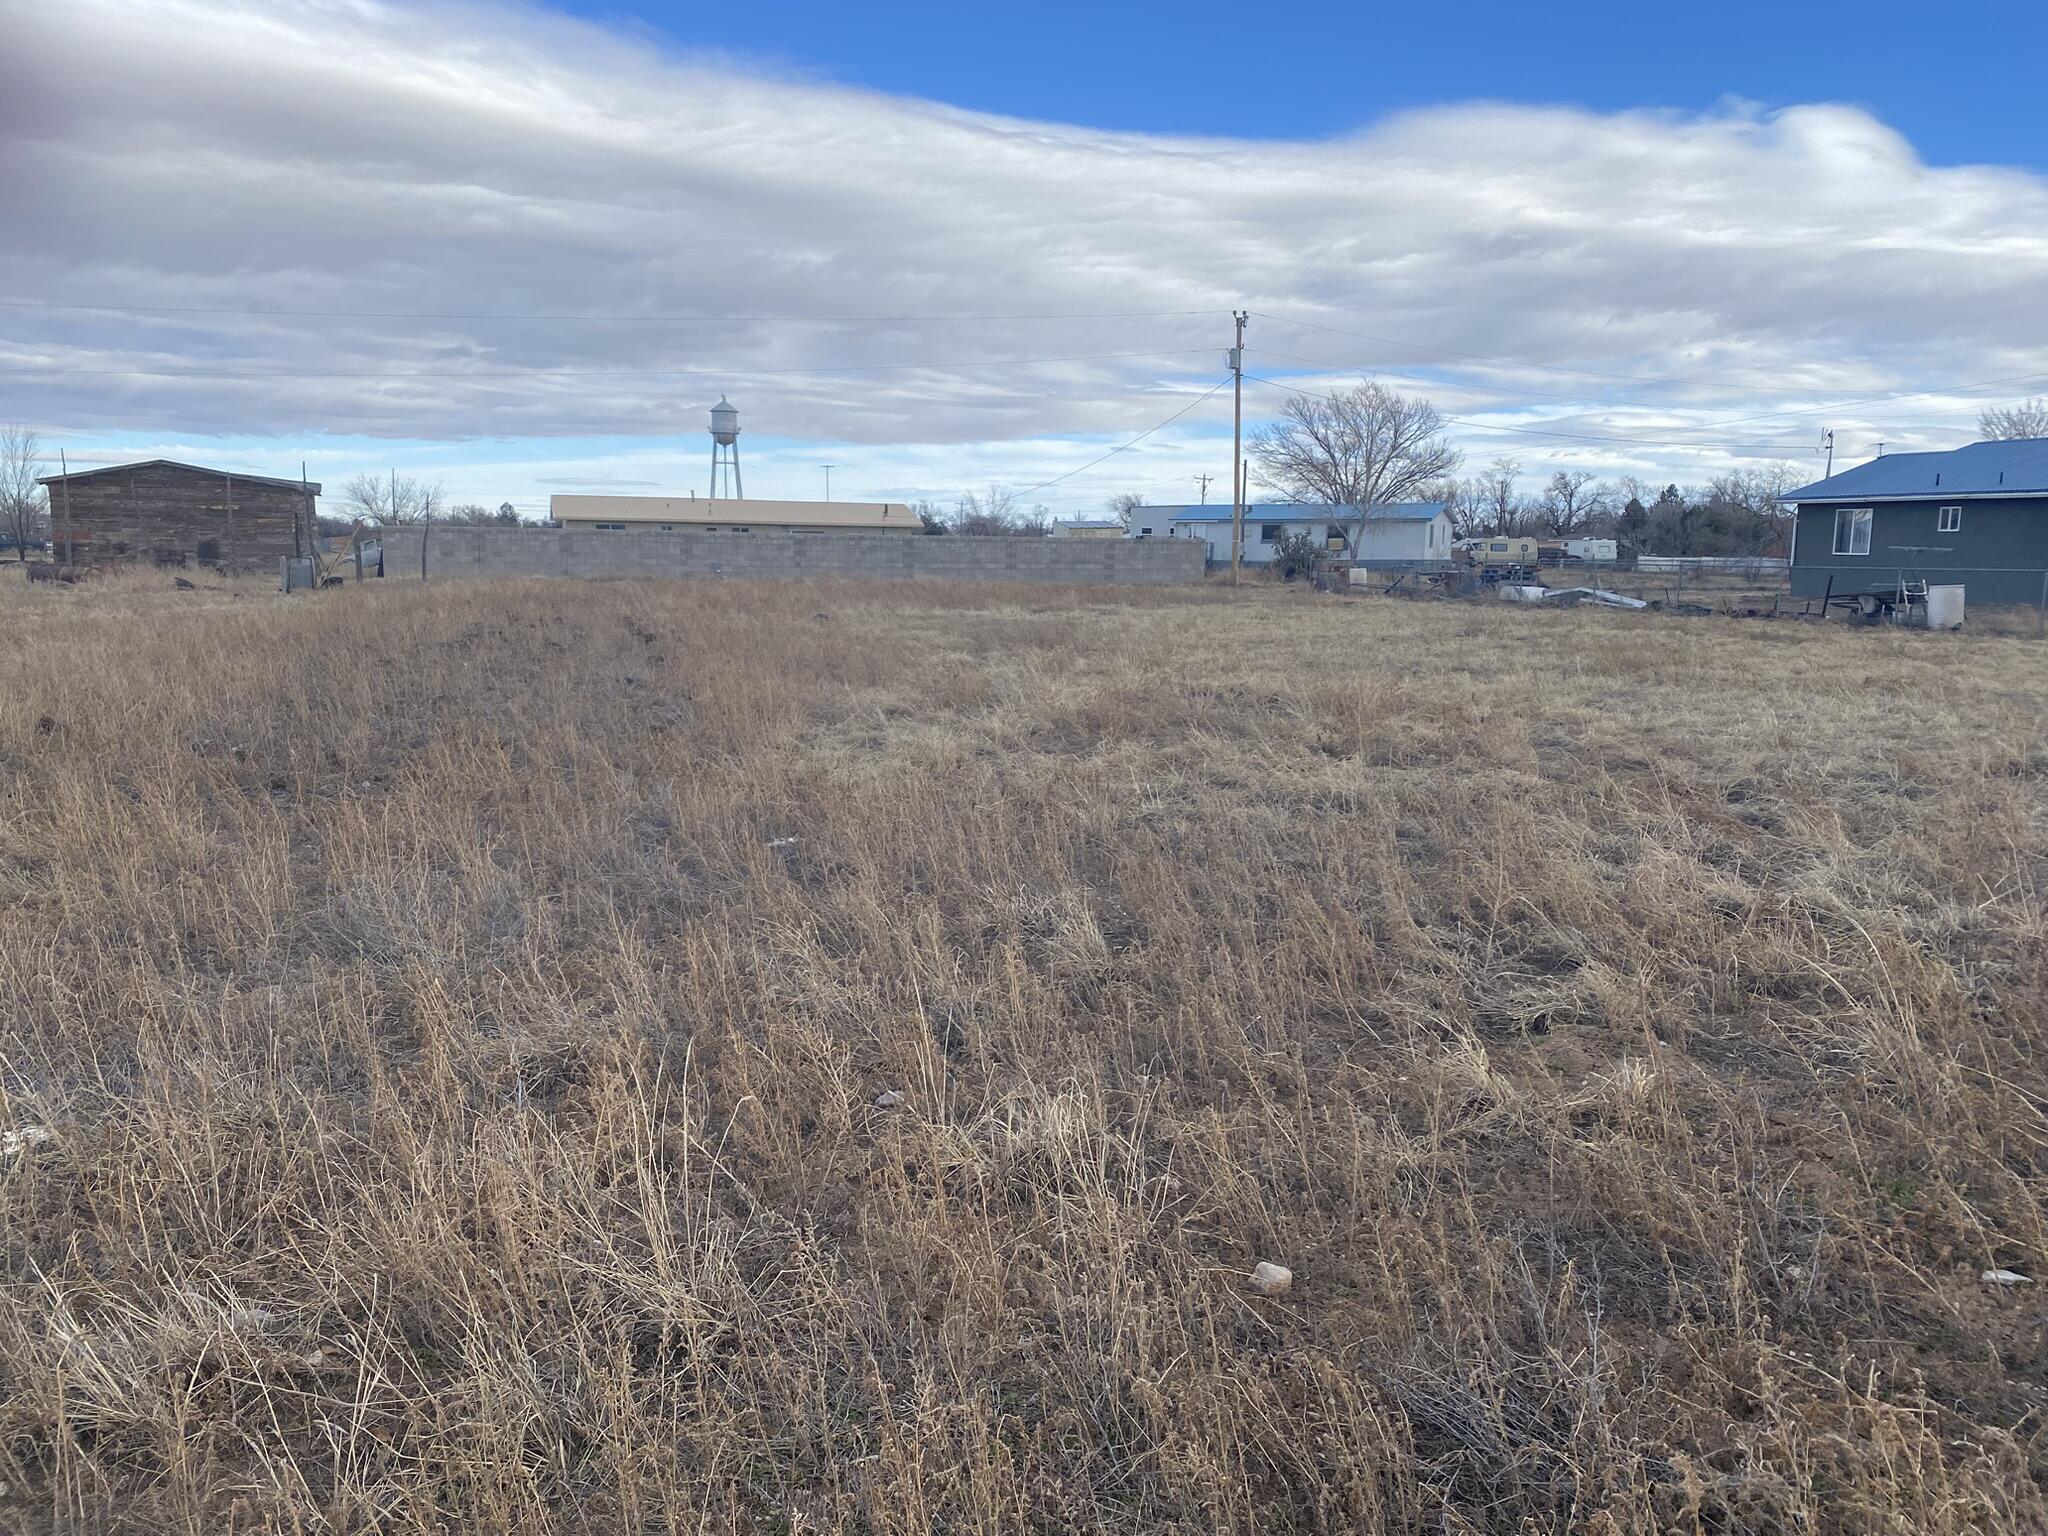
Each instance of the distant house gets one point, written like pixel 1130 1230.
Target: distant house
pixel 1977 516
pixel 1088 528
pixel 1405 534
pixel 176 512
pixel 671 514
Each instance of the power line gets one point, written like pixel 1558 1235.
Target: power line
pixel 584 373
pixel 1579 437
pixel 589 318
pixel 1417 378
pixel 1757 417
pixel 1176 416
pixel 1508 362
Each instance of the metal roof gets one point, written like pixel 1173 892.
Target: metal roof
pixel 197 469
pixel 1304 512
pixel 702 510
pixel 2015 468
pixel 1091 522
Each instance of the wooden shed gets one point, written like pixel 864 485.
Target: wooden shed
pixel 175 513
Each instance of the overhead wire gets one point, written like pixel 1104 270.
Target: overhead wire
pixel 1723 421
pixel 1580 437
pixel 579 373
pixel 1104 458
pixel 618 317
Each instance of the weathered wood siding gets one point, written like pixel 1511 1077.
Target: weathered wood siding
pixel 151 509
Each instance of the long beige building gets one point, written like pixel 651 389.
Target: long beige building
pixel 669 514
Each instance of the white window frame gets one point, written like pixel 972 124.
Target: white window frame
pixel 1949 520
pixel 1867 522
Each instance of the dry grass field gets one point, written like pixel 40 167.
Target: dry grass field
pixel 443 1029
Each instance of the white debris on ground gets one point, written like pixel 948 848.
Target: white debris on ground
pixel 15 1142
pixel 2006 1277
pixel 1271 1279
pixel 889 1100
pixel 781 842
pixel 1570 597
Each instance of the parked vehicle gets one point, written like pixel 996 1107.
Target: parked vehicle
pixel 1499 557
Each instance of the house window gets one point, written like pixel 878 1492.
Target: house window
pixel 668 527
pixel 1269 533
pixel 1144 533
pixel 1852 530
pixel 1949 520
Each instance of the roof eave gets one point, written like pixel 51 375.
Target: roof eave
pixel 1845 497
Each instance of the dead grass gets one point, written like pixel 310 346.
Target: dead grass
pixel 458 1014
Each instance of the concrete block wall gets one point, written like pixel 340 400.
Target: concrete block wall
pixel 455 552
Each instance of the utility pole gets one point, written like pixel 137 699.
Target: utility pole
pixel 1203 482
pixel 70 549
pixel 1827 441
pixel 1237 452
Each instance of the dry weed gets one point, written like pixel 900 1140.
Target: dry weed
pixel 444 1031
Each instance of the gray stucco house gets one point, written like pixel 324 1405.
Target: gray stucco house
pixel 1976 515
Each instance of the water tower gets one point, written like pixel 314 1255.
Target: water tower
pixel 725 449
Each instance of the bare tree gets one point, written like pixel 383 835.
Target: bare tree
pixel 1753 516
pixel 1570 503
pixel 1122 506
pixel 1457 504
pixel 2027 419
pixel 21 499
pixel 997 512
pixel 392 499
pixel 1496 505
pixel 1359 450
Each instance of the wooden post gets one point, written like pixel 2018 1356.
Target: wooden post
pixel 227 551
pixel 2041 609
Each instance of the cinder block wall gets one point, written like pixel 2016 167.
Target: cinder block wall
pixel 455 552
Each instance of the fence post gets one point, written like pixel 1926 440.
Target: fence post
pixel 2041 609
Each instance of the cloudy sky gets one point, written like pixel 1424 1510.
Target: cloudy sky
pixel 522 251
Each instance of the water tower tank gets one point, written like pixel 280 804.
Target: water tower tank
pixel 725 422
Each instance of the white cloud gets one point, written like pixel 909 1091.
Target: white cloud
pixel 357 158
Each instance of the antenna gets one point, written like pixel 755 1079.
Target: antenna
pixel 828 480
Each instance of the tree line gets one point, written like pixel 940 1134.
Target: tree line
pixel 1356 448
pixel 1370 446
pixel 1737 513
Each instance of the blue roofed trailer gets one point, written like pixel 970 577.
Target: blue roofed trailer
pixel 1976 517
pixel 1406 536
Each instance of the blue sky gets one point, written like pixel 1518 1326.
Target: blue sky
pixel 520 248
pixel 1941 74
